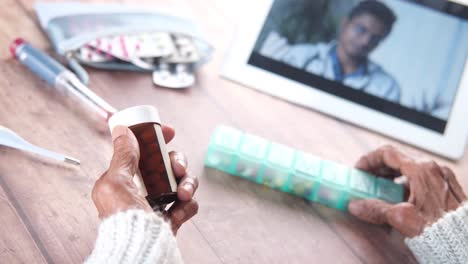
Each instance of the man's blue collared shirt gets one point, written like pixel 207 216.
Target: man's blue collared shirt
pixel 338 69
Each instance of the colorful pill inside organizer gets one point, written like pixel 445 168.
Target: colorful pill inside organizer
pixel 291 171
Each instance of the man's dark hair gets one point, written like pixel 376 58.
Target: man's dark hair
pixel 377 9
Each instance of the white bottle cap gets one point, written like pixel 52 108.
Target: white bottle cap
pixel 135 115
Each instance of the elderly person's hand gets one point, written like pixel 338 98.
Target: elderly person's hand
pixel 433 191
pixel 115 191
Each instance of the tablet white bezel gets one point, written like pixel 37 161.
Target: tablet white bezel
pixel 451 144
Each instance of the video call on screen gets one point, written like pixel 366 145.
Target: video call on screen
pixel 401 58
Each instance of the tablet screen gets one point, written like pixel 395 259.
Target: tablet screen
pixel 401 58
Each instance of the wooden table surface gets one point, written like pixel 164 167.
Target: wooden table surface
pixel 46 212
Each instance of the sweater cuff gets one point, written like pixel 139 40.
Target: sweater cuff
pixel 135 236
pixel 445 241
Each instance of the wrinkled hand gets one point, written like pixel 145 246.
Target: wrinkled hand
pixel 115 190
pixel 433 191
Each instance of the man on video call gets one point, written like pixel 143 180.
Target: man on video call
pixel 345 59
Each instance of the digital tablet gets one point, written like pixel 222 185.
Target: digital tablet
pixel 398 67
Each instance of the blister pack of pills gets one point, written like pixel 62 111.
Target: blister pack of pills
pixel 120 37
pixel 288 170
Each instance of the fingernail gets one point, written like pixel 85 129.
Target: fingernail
pixel 118 131
pixel 188 187
pixel 179 215
pixel 354 207
pixel 181 161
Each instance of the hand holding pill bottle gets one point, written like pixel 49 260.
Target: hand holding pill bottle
pixel 155 179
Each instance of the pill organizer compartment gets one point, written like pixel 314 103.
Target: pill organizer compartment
pixel 305 180
pixel 222 152
pixel 389 191
pixel 362 185
pixel 278 167
pixel 252 153
pixel 333 185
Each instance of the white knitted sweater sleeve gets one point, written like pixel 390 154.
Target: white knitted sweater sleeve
pixel 445 241
pixel 135 236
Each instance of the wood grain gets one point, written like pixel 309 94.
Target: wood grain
pixel 17 237
pixel 49 206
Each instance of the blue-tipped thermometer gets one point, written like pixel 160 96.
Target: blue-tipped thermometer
pixel 56 75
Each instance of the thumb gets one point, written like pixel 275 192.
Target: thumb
pixel 370 210
pixel 126 150
pixel 404 217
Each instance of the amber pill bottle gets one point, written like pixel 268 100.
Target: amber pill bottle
pixel 155 179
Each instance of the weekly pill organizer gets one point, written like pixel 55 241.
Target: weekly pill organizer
pixel 283 168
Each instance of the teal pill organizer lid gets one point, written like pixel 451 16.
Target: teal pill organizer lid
pixel 253 147
pixel 227 138
pixel 335 173
pixel 362 182
pixel 280 156
pixel 389 191
pixel 307 165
